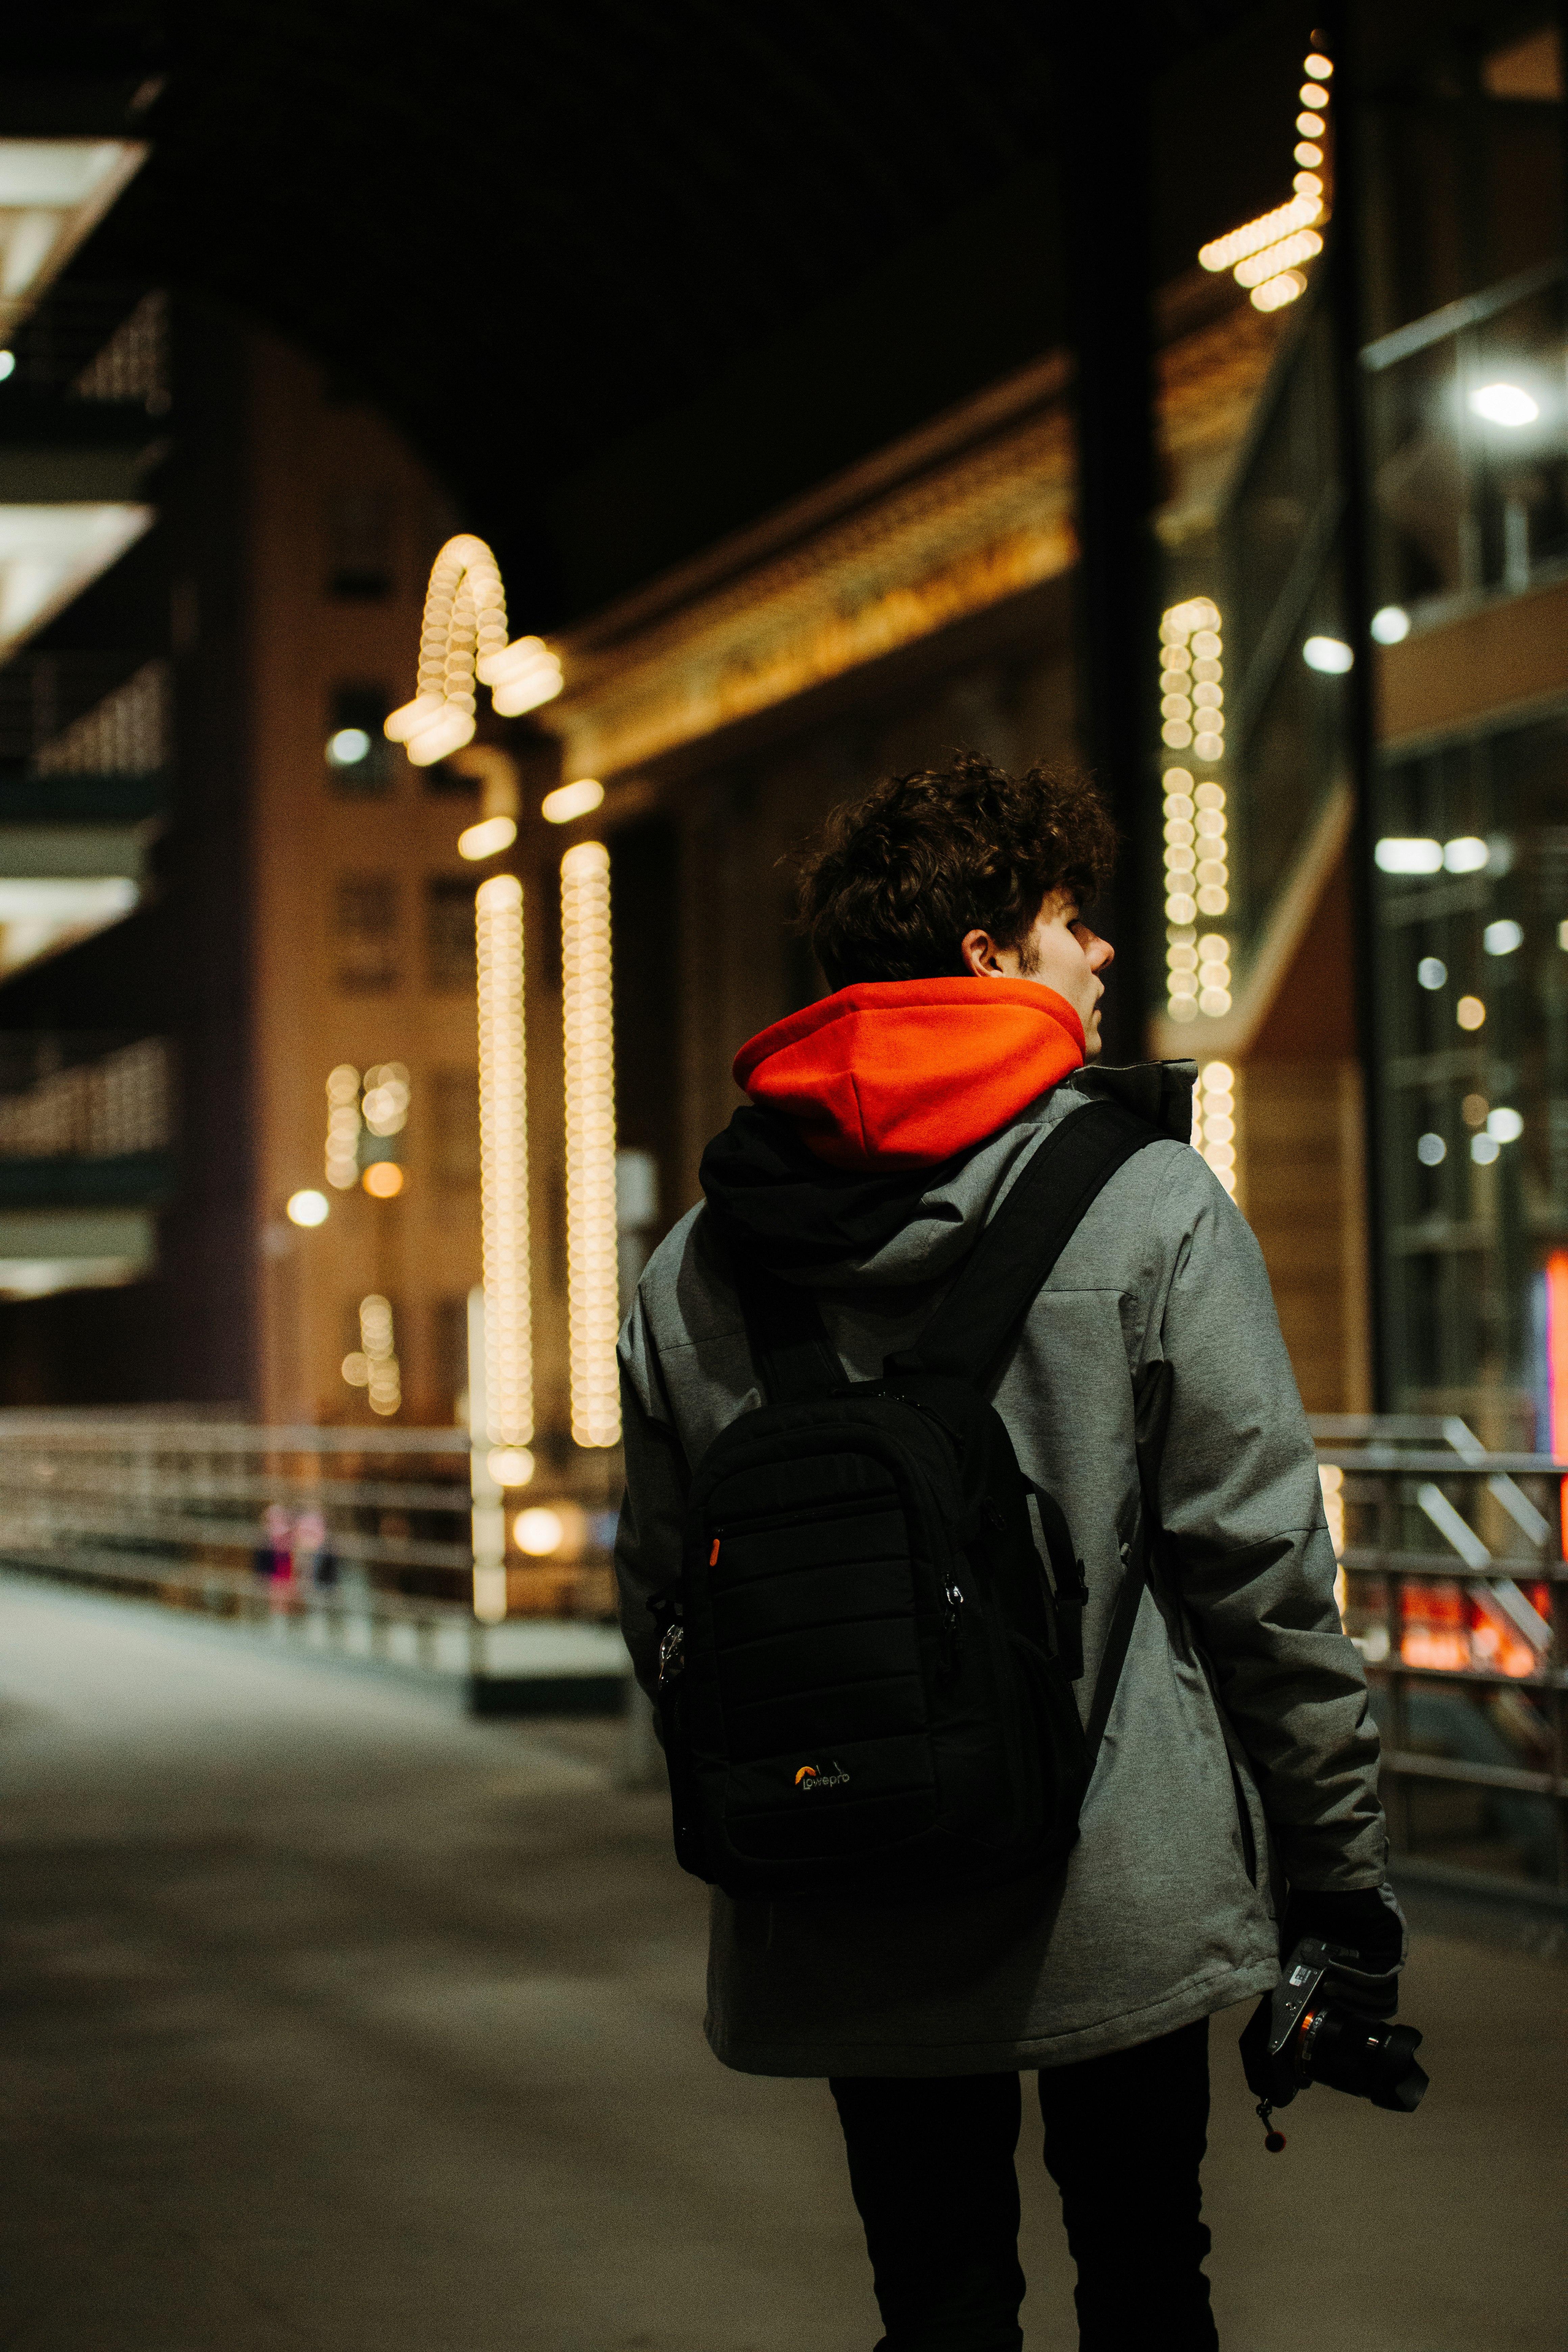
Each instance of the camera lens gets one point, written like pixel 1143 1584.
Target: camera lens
pixel 1365 2057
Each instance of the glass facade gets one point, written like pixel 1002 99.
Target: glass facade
pixel 1469 461
pixel 1473 965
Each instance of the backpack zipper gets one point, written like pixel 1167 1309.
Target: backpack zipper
pixel 814 1516
pixel 951 1627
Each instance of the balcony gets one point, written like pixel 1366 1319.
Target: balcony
pixel 86 1159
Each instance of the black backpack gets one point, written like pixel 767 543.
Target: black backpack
pixel 865 1678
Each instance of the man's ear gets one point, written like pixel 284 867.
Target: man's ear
pixel 978 950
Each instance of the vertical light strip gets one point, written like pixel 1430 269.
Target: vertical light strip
pixel 1557 1377
pixel 1332 1479
pixel 503 1162
pixel 591 1290
pixel 1214 1120
pixel 1197 868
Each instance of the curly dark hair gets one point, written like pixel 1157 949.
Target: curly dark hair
pixel 899 878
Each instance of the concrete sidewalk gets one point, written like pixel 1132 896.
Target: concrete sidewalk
pixel 336 2020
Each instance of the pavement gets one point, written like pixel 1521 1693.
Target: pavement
pixel 335 2018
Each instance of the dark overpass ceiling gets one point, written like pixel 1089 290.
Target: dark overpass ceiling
pixel 537 233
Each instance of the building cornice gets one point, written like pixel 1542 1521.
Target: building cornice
pixel 951 520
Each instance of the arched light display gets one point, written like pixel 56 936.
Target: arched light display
pixel 463 644
pixel 592 1306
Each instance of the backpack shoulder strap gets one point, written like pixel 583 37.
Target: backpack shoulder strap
pixel 1023 1240
pixel 784 1329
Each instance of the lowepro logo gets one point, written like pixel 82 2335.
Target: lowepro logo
pixel 811 1776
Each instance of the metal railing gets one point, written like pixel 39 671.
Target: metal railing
pixel 359 1539
pixel 1454 1591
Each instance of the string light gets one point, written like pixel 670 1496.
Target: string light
pixel 503 1162
pixel 387 1094
pixel 1274 259
pixel 569 801
pixel 1275 292
pixel 342 1127
pixel 373 1365
pixel 488 838
pixel 1263 255
pixel 1252 236
pixel 1197 871
pixel 591 1236
pixel 1215 1121
pixel 462 642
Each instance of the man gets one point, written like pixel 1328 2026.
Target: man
pixel 1235 1789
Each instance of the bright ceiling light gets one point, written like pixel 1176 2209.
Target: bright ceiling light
pixel 1401 854
pixel 1465 854
pixel 39 913
pixel 52 191
pixel 1330 656
pixel 488 838
pixel 1505 404
pixel 308 1208
pixel 348 747
pixel 569 801
pixel 1390 625
pixel 48 554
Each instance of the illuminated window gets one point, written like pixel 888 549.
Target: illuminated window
pixel 359 759
pixel 592 1288
pixel 365 941
pixel 503 1147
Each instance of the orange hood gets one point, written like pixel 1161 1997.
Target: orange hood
pixel 903 1072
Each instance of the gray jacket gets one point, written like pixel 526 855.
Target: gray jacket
pixel 1239 1750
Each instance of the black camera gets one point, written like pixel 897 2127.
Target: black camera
pixel 1306 2032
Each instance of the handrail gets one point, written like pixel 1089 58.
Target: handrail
pixel 1444 1667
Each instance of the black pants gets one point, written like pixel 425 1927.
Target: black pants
pixel 931 2163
